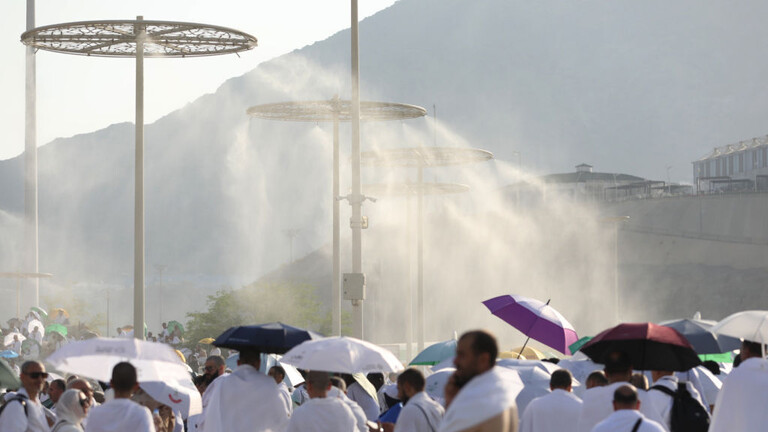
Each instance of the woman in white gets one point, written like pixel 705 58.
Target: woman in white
pixel 70 411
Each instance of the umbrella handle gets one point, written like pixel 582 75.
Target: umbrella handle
pixel 520 353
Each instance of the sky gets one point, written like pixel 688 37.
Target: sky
pixel 77 94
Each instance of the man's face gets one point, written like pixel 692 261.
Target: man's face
pixel 34 378
pixel 211 371
pixel 55 392
pixel 466 361
pixel 275 375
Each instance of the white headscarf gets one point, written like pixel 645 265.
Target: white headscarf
pixel 69 412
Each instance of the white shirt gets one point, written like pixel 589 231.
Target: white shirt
pixel 285 395
pixel 328 414
pixel 120 415
pixel 557 411
pixel 215 351
pixel 420 414
pixel 484 397
pixel 663 402
pixel 300 395
pixel 245 400
pixel 36 335
pixel 624 420
pixel 597 405
pixel 742 404
pixel 16 346
pixel 362 425
pixel 369 405
pixel 13 418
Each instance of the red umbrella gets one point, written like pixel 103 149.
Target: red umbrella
pixel 649 346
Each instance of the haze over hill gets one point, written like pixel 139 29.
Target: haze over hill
pixel 627 87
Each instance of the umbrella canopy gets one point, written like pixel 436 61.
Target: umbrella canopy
pixel 180 396
pixel 435 353
pixel 535 319
pixel 35 323
pixel 56 328
pixel 750 325
pixel 8 377
pixel 8 354
pixel 95 358
pixel 8 339
pixel 206 341
pixel 529 353
pixel 699 334
pixel 535 383
pixel 55 312
pixel 649 346
pixel 275 338
pixel 435 383
pixel 40 311
pixel 173 325
pixel 579 343
pixel 343 355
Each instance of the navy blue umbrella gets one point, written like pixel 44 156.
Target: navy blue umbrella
pixel 275 338
pixel 703 340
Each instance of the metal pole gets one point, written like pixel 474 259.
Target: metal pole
pixel 420 258
pixel 138 234
pixel 335 287
pixel 409 301
pixel 356 199
pixel 616 269
pixel 30 162
pixel 18 298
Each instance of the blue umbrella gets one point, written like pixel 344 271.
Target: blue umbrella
pixel 275 338
pixel 435 354
pixel 9 354
pixel 701 337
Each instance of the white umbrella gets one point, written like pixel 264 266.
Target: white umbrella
pixel 750 325
pixel 35 323
pixel 292 376
pixel 343 355
pixel 181 396
pixel 95 358
pixel 435 385
pixel 9 338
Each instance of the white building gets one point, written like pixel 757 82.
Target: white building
pixel 734 167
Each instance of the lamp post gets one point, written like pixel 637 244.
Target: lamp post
pixel 31 255
pixel 335 110
pixel 138 39
pixel 420 158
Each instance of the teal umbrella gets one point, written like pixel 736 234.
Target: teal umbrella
pixel 8 377
pixel 40 311
pixel 172 325
pixel 435 354
pixel 579 343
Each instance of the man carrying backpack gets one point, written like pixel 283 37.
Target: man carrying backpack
pixel 678 403
pixel 24 412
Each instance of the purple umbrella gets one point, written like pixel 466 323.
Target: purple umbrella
pixel 535 319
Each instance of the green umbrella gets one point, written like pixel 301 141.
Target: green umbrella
pixel 719 358
pixel 41 311
pixel 172 325
pixel 8 378
pixel 58 328
pixel 578 344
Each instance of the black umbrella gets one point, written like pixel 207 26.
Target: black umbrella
pixel 649 346
pixel 275 338
pixel 701 338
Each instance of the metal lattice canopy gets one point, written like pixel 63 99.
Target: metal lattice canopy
pixel 330 110
pixel 413 189
pixel 118 38
pixel 424 156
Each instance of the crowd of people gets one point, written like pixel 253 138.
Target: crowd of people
pixel 479 396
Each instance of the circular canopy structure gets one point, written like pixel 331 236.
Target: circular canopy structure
pixel 413 189
pixel 425 156
pixel 118 38
pixel 335 109
pixel 23 275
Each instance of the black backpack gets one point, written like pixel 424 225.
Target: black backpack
pixel 688 415
pixel 22 400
